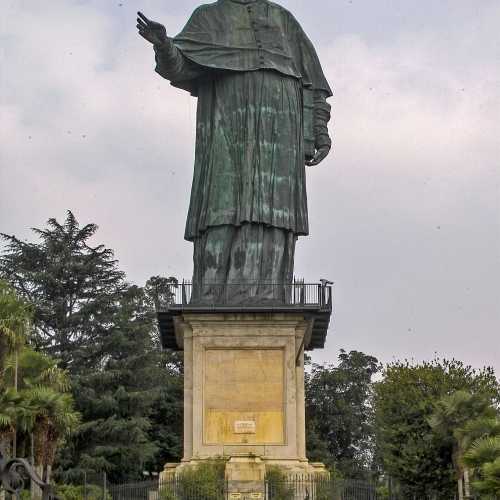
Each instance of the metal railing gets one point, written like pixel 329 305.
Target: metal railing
pixel 173 489
pixel 257 294
pixel 293 488
pixel 17 473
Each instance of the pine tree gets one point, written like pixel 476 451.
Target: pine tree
pixel 167 412
pixel 116 399
pixel 73 286
pixel 105 333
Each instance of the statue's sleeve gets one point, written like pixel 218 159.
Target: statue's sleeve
pixel 322 114
pixel 173 65
pixel 314 81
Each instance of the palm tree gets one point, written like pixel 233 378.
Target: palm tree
pixel 483 456
pixel 49 414
pixel 52 417
pixel 9 406
pixel 14 320
pixel 15 316
pixel 43 407
pixel 450 416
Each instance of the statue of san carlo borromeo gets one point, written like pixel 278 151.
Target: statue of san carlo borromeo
pixel 262 116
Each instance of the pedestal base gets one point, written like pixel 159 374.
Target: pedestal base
pixel 244 394
pixel 245 476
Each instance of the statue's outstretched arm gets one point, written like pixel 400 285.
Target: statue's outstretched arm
pixel 173 65
pixel 170 63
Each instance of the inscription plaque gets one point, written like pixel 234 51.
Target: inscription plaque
pixel 245 427
pixel 243 385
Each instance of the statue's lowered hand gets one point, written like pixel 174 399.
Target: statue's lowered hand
pixel 319 156
pixel 152 31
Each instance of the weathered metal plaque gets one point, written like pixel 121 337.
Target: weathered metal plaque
pixel 245 427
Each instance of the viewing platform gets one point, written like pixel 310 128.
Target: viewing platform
pixel 311 300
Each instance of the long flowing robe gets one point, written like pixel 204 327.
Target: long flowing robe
pixel 248 62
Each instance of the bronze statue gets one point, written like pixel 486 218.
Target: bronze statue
pixel 262 116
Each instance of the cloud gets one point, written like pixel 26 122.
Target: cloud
pixel 404 213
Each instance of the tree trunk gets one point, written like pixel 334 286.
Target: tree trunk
pixel 40 438
pixel 467 483
pixel 47 473
pixel 460 489
pixel 36 491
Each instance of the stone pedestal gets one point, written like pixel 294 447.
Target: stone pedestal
pixel 244 389
pixel 246 475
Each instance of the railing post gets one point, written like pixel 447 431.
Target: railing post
pixel 183 291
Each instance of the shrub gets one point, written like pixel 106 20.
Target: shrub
pixel 278 486
pixel 72 492
pixel 206 480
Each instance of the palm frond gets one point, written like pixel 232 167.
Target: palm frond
pixel 482 451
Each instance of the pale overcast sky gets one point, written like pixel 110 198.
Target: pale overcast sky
pixel 404 215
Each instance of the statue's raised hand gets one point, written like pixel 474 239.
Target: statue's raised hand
pixel 152 31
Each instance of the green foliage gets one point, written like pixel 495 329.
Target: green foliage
pixel 90 492
pixel 383 492
pixel 103 331
pixel 408 448
pixel 167 409
pixel 11 404
pixel 483 456
pixel 339 412
pixel 72 286
pixel 39 407
pixel 489 483
pixel 167 492
pixel 15 316
pixel 116 399
pixel 131 404
pixel 324 489
pixel 36 369
pixel 477 428
pixel 206 481
pixel 279 487
pixel 452 414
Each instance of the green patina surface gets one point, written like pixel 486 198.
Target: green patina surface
pixel 256 76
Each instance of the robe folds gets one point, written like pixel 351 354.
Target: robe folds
pixel 248 62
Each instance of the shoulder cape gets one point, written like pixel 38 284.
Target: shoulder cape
pixel 227 35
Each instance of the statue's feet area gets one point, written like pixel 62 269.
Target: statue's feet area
pixel 257 295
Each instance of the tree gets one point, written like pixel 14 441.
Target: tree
pixel 10 404
pixel 451 414
pixel 37 409
pixel 118 400
pixel 104 332
pixel 481 438
pixel 167 411
pixel 74 289
pixel 339 412
pixel 409 450
pixel 15 316
pixel 44 408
